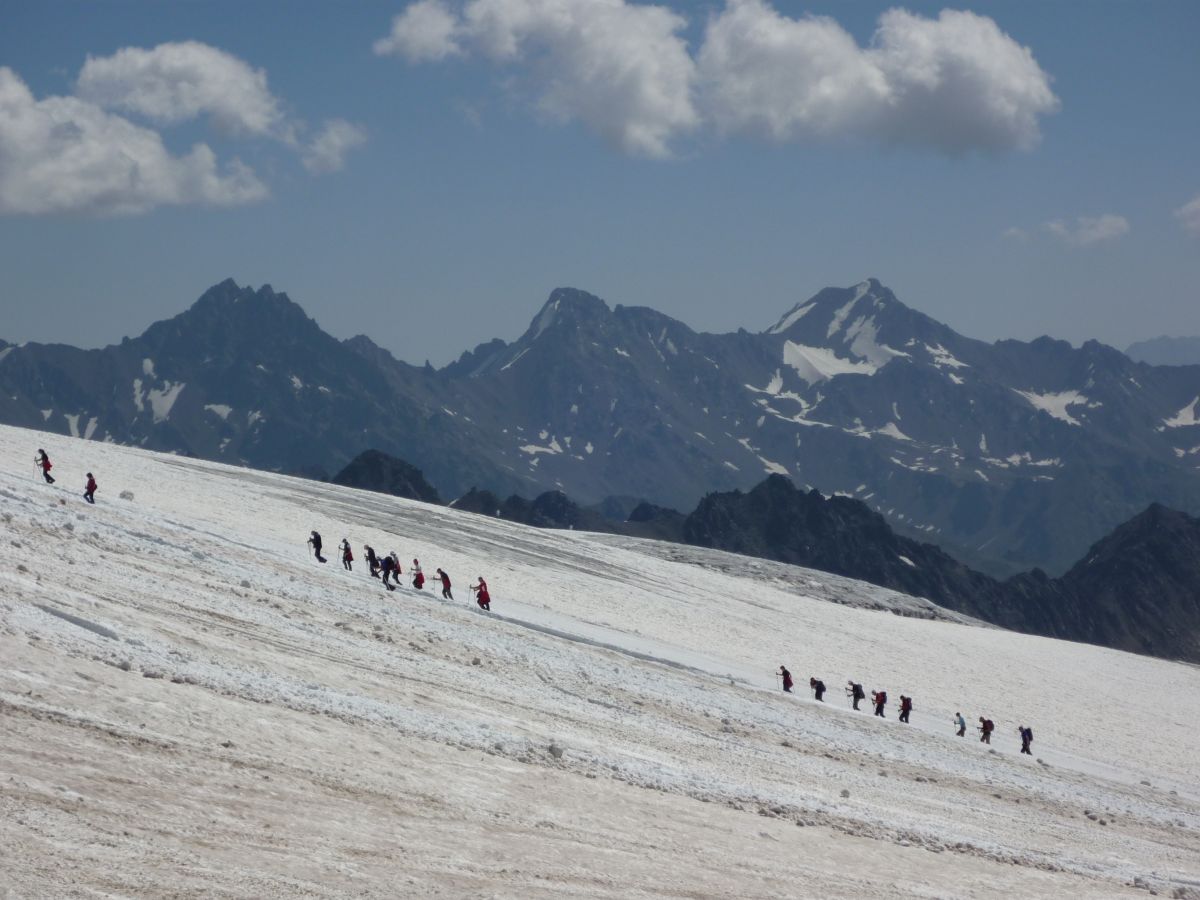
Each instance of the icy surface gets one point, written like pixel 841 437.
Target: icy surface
pixel 193 706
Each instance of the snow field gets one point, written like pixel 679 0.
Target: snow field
pixel 612 729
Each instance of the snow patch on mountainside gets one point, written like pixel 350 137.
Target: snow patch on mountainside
pixel 552 448
pixel 839 317
pixel 1056 404
pixel 219 409
pixel 162 399
pixel 893 431
pixel 512 361
pixel 1185 417
pixel 797 313
pixel 943 358
pixel 864 342
pixel 815 364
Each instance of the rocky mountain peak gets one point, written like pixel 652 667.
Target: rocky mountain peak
pixel 568 308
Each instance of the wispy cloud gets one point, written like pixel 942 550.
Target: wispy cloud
pixel 955 84
pixel 1189 215
pixel 1087 230
pixel 327 151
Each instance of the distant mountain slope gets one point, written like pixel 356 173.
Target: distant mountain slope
pixel 1009 455
pixel 1138 589
pixel 1166 351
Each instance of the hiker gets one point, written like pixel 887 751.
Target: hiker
pixel 89 489
pixel 855 692
pixel 387 566
pixel 961 724
pixel 445 580
pixel 418 577
pixel 482 597
pixel 879 698
pixel 43 462
pixel 818 688
pixel 787 679
pixel 1026 739
pixel 372 560
pixel 314 541
pixel 986 727
pixel 347 556
pixel 905 707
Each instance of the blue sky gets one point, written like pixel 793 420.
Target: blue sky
pixel 426 176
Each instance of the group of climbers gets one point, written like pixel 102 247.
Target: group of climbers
pixel 879 700
pixel 42 461
pixel 388 570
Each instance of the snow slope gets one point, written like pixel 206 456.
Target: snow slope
pixel 193 706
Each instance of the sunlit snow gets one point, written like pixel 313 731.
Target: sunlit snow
pixel 195 707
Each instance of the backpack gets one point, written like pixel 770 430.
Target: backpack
pixel 988 726
pixel 1029 734
pixel 881 697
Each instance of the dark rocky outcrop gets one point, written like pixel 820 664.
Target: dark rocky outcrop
pixel 373 470
pixel 1138 589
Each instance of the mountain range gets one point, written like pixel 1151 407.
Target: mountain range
pixel 1137 589
pixel 1009 455
pixel 1166 351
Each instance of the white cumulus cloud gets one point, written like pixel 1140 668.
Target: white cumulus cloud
pixel 621 68
pixel 65 154
pixel 957 83
pixel 1087 230
pixel 425 32
pixel 327 151
pixel 786 78
pixel 177 82
pixel 1189 215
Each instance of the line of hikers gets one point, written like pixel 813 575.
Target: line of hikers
pixel 42 461
pixel 387 568
pixel 879 700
